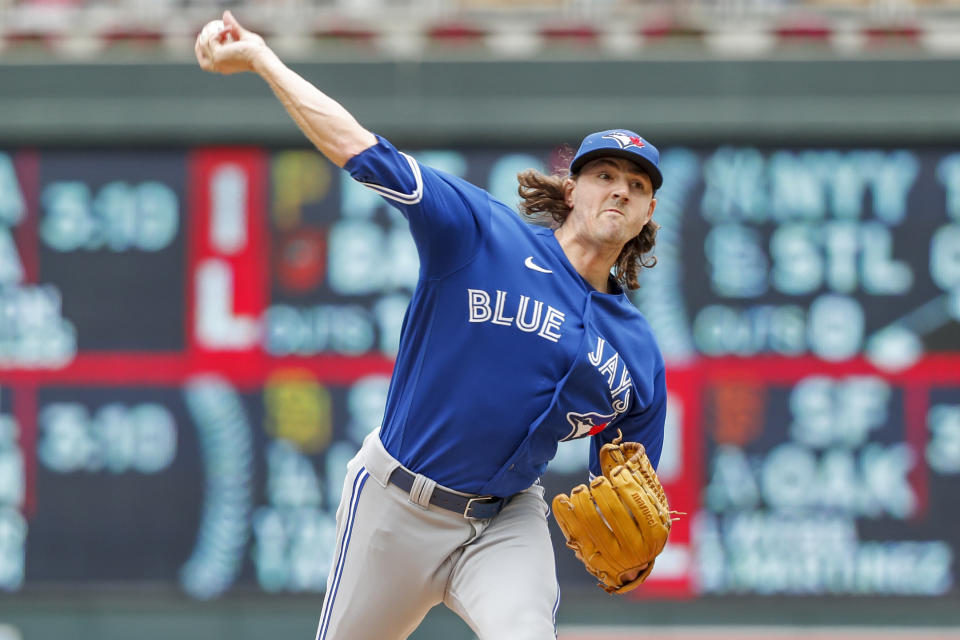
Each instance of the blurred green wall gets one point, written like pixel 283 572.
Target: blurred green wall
pixel 683 100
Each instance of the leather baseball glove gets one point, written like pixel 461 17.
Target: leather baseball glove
pixel 621 522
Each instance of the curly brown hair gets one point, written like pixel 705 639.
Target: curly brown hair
pixel 543 203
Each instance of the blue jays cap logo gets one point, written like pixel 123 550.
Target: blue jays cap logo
pixel 625 140
pixel 623 143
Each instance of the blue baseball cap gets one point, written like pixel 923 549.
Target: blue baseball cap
pixel 623 144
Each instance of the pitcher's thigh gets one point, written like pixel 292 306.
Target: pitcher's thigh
pixel 383 578
pixel 505 585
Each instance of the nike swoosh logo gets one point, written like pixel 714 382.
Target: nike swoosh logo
pixel 528 263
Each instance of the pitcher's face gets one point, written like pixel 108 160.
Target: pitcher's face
pixel 610 201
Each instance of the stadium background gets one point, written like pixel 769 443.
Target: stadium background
pixel 198 314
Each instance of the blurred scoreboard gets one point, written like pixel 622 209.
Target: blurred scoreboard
pixel 194 342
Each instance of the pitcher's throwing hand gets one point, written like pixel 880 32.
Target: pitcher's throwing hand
pixel 223 46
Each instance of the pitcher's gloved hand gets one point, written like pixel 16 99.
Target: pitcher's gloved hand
pixel 620 523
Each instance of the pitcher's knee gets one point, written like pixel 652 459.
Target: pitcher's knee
pixel 520 625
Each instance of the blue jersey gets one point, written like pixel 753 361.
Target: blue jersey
pixel 505 349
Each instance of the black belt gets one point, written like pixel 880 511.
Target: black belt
pixel 481 507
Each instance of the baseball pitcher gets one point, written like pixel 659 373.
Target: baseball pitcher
pixel 519 336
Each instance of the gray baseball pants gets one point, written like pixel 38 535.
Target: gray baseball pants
pixel 398 556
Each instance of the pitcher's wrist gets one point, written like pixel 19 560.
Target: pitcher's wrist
pixel 262 59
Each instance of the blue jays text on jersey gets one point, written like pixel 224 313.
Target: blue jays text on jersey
pixel 505 349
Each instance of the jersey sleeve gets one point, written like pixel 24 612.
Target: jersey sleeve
pixel 447 214
pixel 644 426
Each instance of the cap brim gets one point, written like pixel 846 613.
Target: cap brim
pixel 656 178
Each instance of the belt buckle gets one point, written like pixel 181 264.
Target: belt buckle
pixel 481 499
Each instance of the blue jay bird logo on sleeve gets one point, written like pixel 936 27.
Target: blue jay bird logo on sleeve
pixel 619 385
pixel 588 424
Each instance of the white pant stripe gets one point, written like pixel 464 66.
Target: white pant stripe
pixel 556 605
pixel 354 501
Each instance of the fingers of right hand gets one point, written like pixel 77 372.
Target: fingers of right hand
pixel 203 55
pixel 233 25
pixel 213 35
